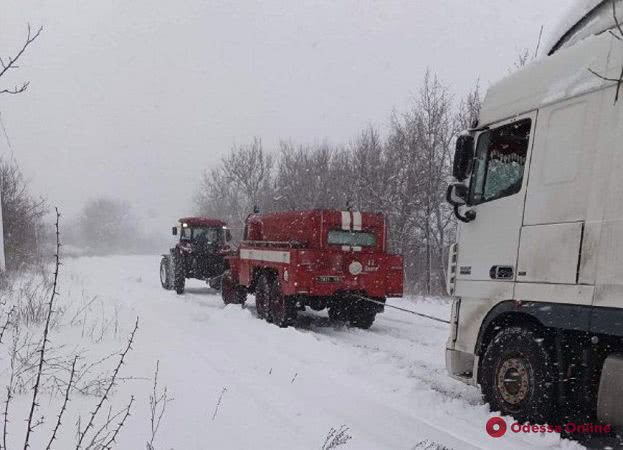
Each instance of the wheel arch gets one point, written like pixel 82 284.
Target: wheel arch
pixel 505 314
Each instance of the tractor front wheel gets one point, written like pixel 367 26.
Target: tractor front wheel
pixel 165 274
pixel 179 280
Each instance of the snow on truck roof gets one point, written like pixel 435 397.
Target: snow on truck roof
pixel 202 222
pixel 563 75
pixel 576 12
pixel 565 72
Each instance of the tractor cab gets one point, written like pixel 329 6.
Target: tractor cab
pixel 198 253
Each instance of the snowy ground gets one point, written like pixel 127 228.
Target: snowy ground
pixel 241 383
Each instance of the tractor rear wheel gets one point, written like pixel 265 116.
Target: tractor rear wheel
pixel 262 296
pixel 179 280
pixel 165 274
pixel 282 309
pixel 232 292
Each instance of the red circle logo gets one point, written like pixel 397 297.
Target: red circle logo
pixel 496 427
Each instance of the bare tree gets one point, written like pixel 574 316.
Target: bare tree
pixel 10 63
pixel 22 216
pixel 241 183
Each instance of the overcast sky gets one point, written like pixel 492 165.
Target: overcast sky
pixel 135 98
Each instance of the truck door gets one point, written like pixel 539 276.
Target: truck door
pixel 488 245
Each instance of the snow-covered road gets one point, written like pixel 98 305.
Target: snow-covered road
pixel 280 388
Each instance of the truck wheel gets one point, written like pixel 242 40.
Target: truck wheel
pixel 361 315
pixel 262 296
pixel 338 313
pixel 231 291
pixel 179 280
pixel 282 309
pixel 362 318
pixel 517 375
pixel 165 274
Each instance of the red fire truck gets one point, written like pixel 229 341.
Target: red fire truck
pixel 319 259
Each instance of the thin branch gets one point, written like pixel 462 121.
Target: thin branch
pixel 616 20
pixel 12 60
pixel 46 329
pixel 108 444
pixel 618 81
pixel 64 407
pixel 7 323
pixel 538 44
pixel 157 405
pixel 16 89
pixel 109 387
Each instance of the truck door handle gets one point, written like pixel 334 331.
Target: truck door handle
pixel 501 272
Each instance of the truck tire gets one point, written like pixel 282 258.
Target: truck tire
pixel 165 274
pixel 362 318
pixel 338 313
pixel 179 280
pixel 262 296
pixel 232 292
pixel 361 315
pixel 282 311
pixel 518 376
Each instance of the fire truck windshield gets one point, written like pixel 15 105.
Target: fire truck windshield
pixel 352 238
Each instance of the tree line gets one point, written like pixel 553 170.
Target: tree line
pixel 403 174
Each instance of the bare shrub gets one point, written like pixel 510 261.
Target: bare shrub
pixel 158 401
pixel 336 437
pixel 430 445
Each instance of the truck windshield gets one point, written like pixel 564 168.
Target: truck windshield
pixel 352 238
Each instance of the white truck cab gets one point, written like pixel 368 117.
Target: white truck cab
pixel 537 267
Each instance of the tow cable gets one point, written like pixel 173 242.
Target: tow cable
pixel 426 316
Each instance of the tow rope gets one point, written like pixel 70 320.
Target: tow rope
pixel 426 316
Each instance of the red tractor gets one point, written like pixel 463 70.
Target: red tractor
pixel 199 253
pixel 318 259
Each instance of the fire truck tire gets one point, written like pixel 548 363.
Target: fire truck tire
pixel 179 280
pixel 338 313
pixel 518 376
pixel 231 291
pixel 361 315
pixel 165 274
pixel 282 308
pixel 262 296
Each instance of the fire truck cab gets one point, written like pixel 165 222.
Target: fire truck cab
pixel 319 259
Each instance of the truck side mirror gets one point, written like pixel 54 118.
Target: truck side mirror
pixel 174 231
pixel 227 235
pixel 463 156
pixel 457 196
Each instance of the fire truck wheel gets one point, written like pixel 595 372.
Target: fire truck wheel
pixel 165 274
pixel 262 296
pixel 179 280
pixel 232 292
pixel 338 313
pixel 517 375
pixel 361 315
pixel 282 309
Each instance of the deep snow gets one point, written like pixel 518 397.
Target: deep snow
pixel 279 388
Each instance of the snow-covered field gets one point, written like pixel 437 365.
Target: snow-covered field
pixel 241 383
